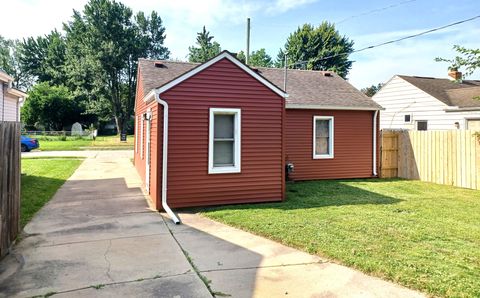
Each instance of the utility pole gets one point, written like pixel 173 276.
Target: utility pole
pixel 247 54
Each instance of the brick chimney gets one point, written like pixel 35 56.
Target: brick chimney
pixel 455 75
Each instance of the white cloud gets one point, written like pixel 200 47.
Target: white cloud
pixel 410 57
pixel 182 18
pixel 281 6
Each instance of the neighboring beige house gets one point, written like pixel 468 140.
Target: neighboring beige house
pixel 424 103
pixel 11 99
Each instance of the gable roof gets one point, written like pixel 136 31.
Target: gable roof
pixel 449 92
pixel 223 55
pixel 305 88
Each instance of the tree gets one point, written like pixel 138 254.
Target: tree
pixel 372 90
pixel 206 48
pixel 50 106
pixel 10 63
pixel 257 58
pixel 469 58
pixel 44 58
pixel 313 48
pixel 103 47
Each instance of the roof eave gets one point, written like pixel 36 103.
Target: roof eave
pixel 324 107
pixel 16 93
pixel 459 109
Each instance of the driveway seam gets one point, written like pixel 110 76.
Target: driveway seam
pixel 190 261
pixel 99 286
pixel 106 239
pixel 268 266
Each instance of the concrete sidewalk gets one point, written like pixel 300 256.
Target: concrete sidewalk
pixel 97 238
pixel 244 265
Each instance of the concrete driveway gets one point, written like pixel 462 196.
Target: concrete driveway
pixel 97 238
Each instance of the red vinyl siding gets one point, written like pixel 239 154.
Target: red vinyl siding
pixel 140 163
pixel 224 85
pixel 353 145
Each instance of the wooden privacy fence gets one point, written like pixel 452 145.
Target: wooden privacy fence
pixel 444 157
pixel 9 184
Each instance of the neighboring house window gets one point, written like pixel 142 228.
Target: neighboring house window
pixel 224 141
pixel 407 118
pixel 422 125
pixel 322 137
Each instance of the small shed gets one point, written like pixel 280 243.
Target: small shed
pixel 222 132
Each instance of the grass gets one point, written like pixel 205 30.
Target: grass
pixel 41 178
pixel 421 235
pixel 75 144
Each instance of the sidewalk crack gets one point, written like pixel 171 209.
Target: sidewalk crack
pixel 105 256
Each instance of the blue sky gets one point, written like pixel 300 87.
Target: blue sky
pixel 272 22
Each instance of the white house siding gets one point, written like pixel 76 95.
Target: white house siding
pixel 10 109
pixel 2 86
pixel 400 98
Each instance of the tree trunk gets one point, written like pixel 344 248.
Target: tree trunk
pixel 121 124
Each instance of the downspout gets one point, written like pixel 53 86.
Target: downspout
pixel 165 160
pixel 375 143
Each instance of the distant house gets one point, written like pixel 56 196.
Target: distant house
pixel 424 103
pixel 11 99
pixel 222 132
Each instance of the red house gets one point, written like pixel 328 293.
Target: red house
pixel 222 133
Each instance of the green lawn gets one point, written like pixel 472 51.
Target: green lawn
pixel 69 144
pixel 41 178
pixel 421 235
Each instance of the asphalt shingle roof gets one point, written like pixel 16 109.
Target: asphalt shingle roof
pixel 304 87
pixel 449 92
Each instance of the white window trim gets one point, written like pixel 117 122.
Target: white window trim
pixel 411 118
pixel 236 168
pixel 330 139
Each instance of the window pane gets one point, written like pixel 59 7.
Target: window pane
pixel 322 128
pixel 321 146
pixel 223 153
pixel 422 125
pixel 223 126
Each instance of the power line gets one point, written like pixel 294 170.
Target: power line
pixel 396 40
pixel 374 11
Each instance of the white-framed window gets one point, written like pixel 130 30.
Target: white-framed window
pixel 407 118
pixel 422 125
pixel 323 137
pixel 224 148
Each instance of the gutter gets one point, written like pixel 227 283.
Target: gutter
pixel 165 206
pixel 322 107
pixel 467 109
pixel 375 143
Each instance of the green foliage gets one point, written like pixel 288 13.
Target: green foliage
pixel 469 58
pixel 309 45
pixel 372 90
pixel 10 62
pixel 50 106
pixel 258 58
pixel 422 235
pixel 43 57
pixel 103 46
pixel 206 48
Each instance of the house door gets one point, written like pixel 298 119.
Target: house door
pixel 473 124
pixel 148 118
